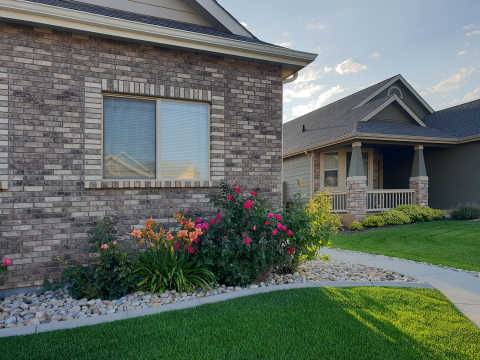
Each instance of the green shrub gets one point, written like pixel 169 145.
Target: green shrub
pixel 103 232
pixel 356 226
pixel 110 277
pixel 394 217
pixel 418 213
pixel 466 212
pixel 373 221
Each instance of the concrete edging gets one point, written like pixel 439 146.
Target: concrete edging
pixel 61 325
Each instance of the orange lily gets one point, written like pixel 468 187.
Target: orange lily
pixel 183 233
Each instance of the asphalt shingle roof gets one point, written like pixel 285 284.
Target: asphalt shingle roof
pixel 145 19
pixel 339 119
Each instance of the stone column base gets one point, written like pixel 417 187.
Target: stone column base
pixel 420 185
pixel 357 197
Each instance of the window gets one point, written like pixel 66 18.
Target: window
pixel 395 91
pixel 155 139
pixel 365 163
pixel 331 170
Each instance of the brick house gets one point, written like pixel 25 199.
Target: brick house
pixel 384 146
pixel 135 110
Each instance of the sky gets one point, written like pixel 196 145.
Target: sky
pixel 434 44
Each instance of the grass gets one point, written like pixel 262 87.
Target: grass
pixel 311 323
pixel 450 243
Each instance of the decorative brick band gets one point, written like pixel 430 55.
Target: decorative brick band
pixel 3 129
pixel 93 130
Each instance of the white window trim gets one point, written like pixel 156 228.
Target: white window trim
pixel 158 122
pixel 93 142
pixel 395 87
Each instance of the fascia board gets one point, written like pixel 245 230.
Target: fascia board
pixel 118 28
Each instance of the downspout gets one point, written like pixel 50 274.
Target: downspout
pixel 290 79
pixel 312 185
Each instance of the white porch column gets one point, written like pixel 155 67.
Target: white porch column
pixel 357 185
pixel 419 178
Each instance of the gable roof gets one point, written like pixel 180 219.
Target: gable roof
pixel 226 37
pixel 344 119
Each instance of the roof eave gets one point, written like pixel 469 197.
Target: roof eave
pixel 55 17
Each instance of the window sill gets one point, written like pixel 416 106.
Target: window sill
pixel 140 184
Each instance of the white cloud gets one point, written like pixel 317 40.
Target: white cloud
pixel 468 26
pixel 374 55
pixel 448 104
pixel 453 82
pixel 467 44
pixel 474 95
pixel 303 90
pixel 423 93
pixel 316 26
pixel 349 66
pixel 244 24
pixel 476 32
pixel 318 49
pixel 300 110
pixel 309 74
pixel 462 53
pixel 327 69
pixel 285 44
pixel 286 33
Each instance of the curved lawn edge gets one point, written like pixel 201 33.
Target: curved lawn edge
pixel 34 329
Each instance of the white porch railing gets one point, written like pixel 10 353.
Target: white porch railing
pixel 379 200
pixel 339 201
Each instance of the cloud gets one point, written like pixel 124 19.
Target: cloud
pixel 300 110
pixel 286 33
pixel 374 55
pixel 474 95
pixel 423 93
pixel 468 26
pixel 476 32
pixel 453 82
pixel 462 53
pixel 318 49
pixel 466 44
pixel 303 90
pixel 448 104
pixel 327 69
pixel 349 66
pixel 286 44
pixel 316 26
pixel 309 74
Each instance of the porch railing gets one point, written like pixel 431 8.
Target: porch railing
pixel 339 201
pixel 379 200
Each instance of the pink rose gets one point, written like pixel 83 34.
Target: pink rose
pixel 247 240
pixel 7 262
pixel 196 240
pixel 188 212
pixel 219 216
pixel 191 251
pixel 253 193
pixel 230 197
pixel 114 243
pixel 278 217
pixel 267 223
pixel 212 221
pixel 104 246
pixel 283 228
pixel 254 227
pixel 292 250
pixel 288 252
pixel 177 246
pixel 205 225
pixel 274 232
pixel 248 204
pixel 270 214
pixel 238 191
pixel 289 233
pixel 199 220
pixel 198 226
pixel 279 226
pixel 235 185
pixel 261 248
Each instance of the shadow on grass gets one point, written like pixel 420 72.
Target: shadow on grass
pixel 313 323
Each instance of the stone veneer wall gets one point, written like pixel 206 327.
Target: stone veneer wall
pixel 357 199
pixel 50 138
pixel 421 191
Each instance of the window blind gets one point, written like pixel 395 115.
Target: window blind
pixel 129 139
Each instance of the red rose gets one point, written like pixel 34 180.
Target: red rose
pixel 230 197
pixel 283 228
pixel 267 223
pixel 247 240
pixel 274 232
pixel 238 190
pixel 235 185
pixel 292 249
pixel 279 226
pixel 253 193
pixel 248 204
pixel 288 253
pixel 212 221
pixel 289 233
pixel 278 217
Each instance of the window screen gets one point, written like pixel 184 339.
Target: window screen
pixel 129 139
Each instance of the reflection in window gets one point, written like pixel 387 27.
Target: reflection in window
pixel 331 169
pixel 129 139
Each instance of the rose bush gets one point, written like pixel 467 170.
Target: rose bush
pixel 4 267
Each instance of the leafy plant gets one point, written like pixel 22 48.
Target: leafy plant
pixel 355 226
pixel 48 286
pixel 81 279
pixel 466 212
pixel 394 217
pixel 103 232
pixel 418 213
pixel 373 221
pixel 4 267
pixel 165 260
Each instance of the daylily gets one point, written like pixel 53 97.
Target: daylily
pixel 198 231
pixel 183 233
pixel 169 236
pixel 191 225
pixel 136 233
pixel 192 236
pixel 149 223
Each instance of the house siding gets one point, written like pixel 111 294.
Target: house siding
pixel 453 175
pixel 46 210
pixel 294 169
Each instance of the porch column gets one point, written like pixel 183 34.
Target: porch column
pixel 357 185
pixel 419 178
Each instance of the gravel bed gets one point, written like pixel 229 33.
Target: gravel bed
pixel 33 309
pixel 468 272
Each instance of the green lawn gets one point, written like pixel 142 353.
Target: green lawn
pixel 451 243
pixel 313 323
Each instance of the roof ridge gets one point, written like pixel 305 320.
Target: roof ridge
pixel 463 104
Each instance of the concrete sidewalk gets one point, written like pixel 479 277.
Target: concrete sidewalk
pixel 462 289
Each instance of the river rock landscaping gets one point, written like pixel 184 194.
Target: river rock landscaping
pixel 54 306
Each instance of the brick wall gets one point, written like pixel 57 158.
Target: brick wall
pixel 48 145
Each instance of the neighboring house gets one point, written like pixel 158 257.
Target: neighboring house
pixel 135 109
pixel 382 147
